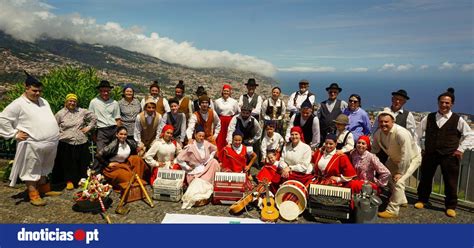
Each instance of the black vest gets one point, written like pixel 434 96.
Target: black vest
pixel 196 107
pixel 249 131
pixel 401 119
pixel 326 118
pixel 252 103
pixel 176 122
pixel 444 140
pixel 269 111
pixel 339 146
pixel 307 128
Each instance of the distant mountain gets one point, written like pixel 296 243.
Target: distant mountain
pixel 114 64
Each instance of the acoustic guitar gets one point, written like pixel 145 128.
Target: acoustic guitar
pixel 269 212
pixel 244 201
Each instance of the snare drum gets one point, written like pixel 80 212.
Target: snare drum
pixel 291 199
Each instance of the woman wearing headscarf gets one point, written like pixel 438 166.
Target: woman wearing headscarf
pixel 197 159
pixel 330 167
pixel 73 155
pixel 119 161
pixel 368 166
pixel 295 160
pixel 226 107
pixel 129 109
pixel 164 150
pixel 359 122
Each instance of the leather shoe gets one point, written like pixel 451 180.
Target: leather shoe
pixel 46 190
pixel 404 205
pixel 419 205
pixel 451 213
pixel 35 198
pixel 69 186
pixel 386 215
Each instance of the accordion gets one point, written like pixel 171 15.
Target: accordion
pixel 168 185
pixel 229 187
pixel 330 202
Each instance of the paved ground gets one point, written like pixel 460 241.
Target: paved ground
pixel 15 209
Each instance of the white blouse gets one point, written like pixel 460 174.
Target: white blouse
pixel 324 160
pixel 162 151
pixel 298 158
pixel 123 153
pixel 229 107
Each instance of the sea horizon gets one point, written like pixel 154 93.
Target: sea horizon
pixel 376 90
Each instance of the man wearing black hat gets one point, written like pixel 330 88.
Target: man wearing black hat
pixel 185 103
pixel 298 97
pixel 330 109
pixel 107 111
pixel 251 99
pixel 31 122
pixel 308 122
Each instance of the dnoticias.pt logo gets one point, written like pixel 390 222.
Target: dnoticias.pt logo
pixel 45 234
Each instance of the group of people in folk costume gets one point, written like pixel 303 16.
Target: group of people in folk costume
pixel 333 144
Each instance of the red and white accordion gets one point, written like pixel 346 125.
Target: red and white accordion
pixel 229 187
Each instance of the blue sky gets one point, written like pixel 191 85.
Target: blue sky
pixel 308 36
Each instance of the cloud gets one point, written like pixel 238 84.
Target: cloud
pixel 359 69
pixel 386 67
pixel 405 67
pixel 308 69
pixel 31 19
pixel 446 66
pixel 424 67
pixel 467 67
pixel 393 67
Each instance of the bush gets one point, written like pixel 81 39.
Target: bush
pixel 62 81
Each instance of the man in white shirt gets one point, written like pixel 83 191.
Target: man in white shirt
pixel 252 99
pixel 146 125
pixel 329 110
pixel 298 97
pixel 207 118
pixel 247 124
pixel 31 122
pixel 162 105
pixel 447 136
pixel 107 111
pixel 404 158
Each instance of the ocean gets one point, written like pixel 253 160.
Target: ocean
pixel 376 90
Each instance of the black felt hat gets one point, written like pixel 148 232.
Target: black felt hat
pixel 104 84
pixel 334 86
pixel 402 93
pixel 251 82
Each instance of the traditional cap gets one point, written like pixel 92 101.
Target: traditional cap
pixel 449 93
pixel 402 93
pixel 251 82
pixel 226 86
pixel 199 128
pixel 30 80
pixel 306 104
pixel 71 96
pixel 367 140
pixel 304 81
pixel 104 84
pixel 166 128
pixel 386 111
pixel 334 86
pixel 128 86
pixel 200 91
pixel 180 85
pixel 342 119
pixel 204 98
pixel 298 130
pixel 237 132
pixel 150 100
pixel 246 107
pixel 331 136
pixel 270 123
pixel 173 100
